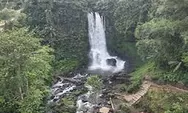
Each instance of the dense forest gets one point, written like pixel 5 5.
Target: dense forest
pixel 44 40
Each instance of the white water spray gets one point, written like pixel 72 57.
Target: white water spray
pixel 98 52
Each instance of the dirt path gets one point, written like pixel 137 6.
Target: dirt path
pixel 134 98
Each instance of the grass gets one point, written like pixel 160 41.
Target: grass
pixel 138 75
pixel 156 74
pixel 164 101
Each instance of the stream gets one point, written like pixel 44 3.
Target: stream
pixel 100 62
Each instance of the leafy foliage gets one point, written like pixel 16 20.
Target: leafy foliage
pixel 133 11
pixel 95 82
pixel 66 66
pixel 159 40
pixel 185 59
pixel 61 25
pixel 12 18
pixel 138 76
pixel 163 38
pixel 67 105
pixel 162 101
pixel 156 29
pixel 24 67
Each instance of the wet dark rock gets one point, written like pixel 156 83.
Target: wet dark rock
pixel 111 62
pixel 84 101
pixel 83 98
pixel 79 80
pixel 119 78
pixel 55 99
pixel 71 80
pixel 105 91
pixel 62 96
pixel 51 97
pixel 58 91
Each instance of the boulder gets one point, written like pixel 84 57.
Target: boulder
pixel 104 110
pixel 111 62
pixel 84 99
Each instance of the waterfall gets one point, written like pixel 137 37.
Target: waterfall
pixel 100 58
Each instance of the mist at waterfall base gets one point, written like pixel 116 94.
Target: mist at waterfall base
pixel 101 63
pixel 100 60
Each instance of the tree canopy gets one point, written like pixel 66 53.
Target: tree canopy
pixel 24 67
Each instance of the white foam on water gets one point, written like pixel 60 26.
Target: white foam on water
pixel 98 49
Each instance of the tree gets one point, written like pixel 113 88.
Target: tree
pixel 164 37
pixel 129 13
pixel 62 25
pixel 12 18
pixel 24 67
pixel 159 39
pixel 95 82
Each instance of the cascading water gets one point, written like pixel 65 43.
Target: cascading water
pixel 100 59
pixel 98 50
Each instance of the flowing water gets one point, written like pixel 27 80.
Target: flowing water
pixel 98 49
pixel 100 59
pixel 63 87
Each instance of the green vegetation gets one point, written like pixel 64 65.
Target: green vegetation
pixel 66 66
pixel 62 26
pixel 24 68
pixel 12 18
pixel 160 32
pixel 41 38
pixel 95 82
pixel 123 108
pixel 138 76
pixel 161 101
pixel 162 40
pixel 66 105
